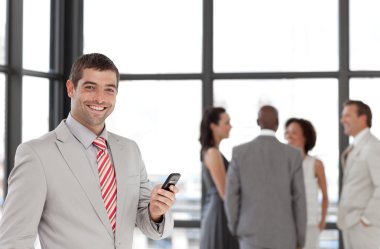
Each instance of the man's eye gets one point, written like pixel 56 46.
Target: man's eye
pixel 89 87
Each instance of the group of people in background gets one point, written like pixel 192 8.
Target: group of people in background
pixel 268 195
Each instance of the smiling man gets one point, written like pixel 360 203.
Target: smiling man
pixel 81 186
pixel 358 215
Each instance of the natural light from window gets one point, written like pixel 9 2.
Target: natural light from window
pixel 146 36
pixel 312 99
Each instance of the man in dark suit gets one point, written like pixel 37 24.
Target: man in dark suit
pixel 265 194
pixel 81 186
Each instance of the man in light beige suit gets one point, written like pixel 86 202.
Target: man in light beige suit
pixel 55 188
pixel 359 205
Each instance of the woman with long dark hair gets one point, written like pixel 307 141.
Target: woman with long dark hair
pixel 215 126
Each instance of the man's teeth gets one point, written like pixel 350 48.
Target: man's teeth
pixel 98 108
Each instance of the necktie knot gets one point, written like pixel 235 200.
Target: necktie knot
pixel 348 150
pixel 346 153
pixel 100 143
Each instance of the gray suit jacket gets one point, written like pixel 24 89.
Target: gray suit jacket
pixel 265 194
pixel 53 191
pixel 360 195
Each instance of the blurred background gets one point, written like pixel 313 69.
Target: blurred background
pixel 177 57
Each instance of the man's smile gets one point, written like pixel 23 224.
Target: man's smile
pixel 96 107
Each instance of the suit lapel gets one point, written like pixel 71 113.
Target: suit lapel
pixel 77 161
pixel 344 156
pixel 119 159
pixel 355 153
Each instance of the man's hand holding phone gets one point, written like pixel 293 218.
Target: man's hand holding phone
pixel 161 200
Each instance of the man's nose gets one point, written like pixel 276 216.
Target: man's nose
pixel 99 96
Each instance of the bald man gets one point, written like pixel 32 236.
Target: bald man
pixel 265 194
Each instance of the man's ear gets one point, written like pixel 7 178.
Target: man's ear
pixel 70 88
pixel 363 118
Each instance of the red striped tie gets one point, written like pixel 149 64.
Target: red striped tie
pixel 107 179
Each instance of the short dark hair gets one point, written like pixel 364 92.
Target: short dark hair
pixel 210 116
pixel 95 60
pixel 308 132
pixel 363 109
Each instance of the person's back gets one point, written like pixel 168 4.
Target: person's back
pixel 265 196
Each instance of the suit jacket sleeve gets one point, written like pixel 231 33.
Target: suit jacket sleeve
pixel 299 201
pixel 232 195
pixel 25 201
pixel 372 210
pixel 143 220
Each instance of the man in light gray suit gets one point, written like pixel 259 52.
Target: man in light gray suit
pixel 359 204
pixel 80 186
pixel 265 193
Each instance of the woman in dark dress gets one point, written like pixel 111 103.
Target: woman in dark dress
pixel 215 126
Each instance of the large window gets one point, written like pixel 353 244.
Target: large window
pixel 276 35
pixel 2 137
pixel 36 45
pixel 35 106
pixel 364 35
pixel 163 117
pixel 146 36
pixel 293 54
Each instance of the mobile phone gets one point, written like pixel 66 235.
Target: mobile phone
pixel 171 180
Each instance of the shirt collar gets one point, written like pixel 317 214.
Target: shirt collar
pixel 360 136
pixel 267 132
pixel 82 133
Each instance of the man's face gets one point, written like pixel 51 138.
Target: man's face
pixel 351 121
pixel 94 98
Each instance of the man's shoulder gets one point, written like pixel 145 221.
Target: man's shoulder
pixel 291 149
pixel 257 141
pixel 243 146
pixel 41 145
pixel 371 146
pixel 374 139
